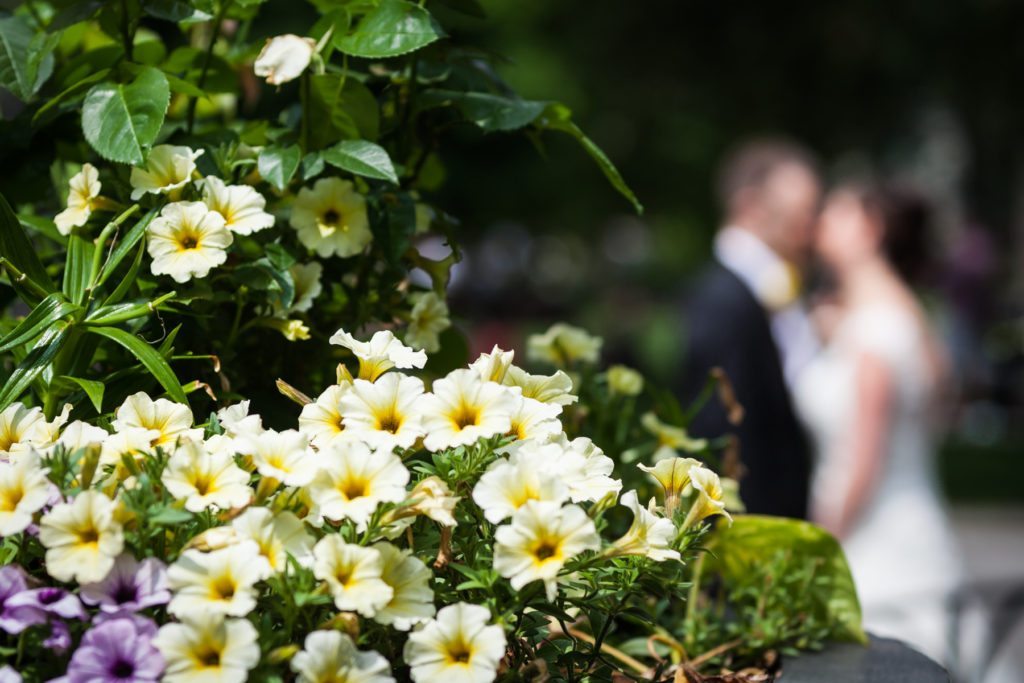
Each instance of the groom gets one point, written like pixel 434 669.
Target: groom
pixel 744 315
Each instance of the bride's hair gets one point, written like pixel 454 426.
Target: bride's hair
pixel 906 220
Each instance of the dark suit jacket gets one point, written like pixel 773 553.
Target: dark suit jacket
pixel 727 327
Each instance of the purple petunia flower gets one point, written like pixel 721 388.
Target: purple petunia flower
pixel 16 618
pixel 130 586
pixel 59 639
pixel 115 652
pixel 53 601
pixel 9 675
pixel 143 626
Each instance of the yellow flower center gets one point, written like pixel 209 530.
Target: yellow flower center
pixel 353 487
pixel 189 240
pixel 389 422
pixel 88 535
pixel 10 498
pixel 206 656
pixel 203 483
pixel 223 587
pixel 465 416
pixel 545 550
pixel 458 652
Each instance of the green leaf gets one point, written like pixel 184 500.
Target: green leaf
pixel 125 283
pixel 169 516
pixel 277 165
pixel 125 246
pixel 362 158
pixel 347 105
pixel 394 28
pixel 43 114
pixel 92 389
pixel 147 355
pixel 490 112
pixel 34 363
pixel 26 59
pixel 752 540
pixel 558 118
pixel 17 250
pixel 121 121
pixel 76 268
pixel 48 311
pixel 263 275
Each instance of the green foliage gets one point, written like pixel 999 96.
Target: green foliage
pixel 121 120
pixel 392 28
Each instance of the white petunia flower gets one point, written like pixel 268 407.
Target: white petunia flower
pixel 671 438
pixel 353 575
pixel 173 421
pixel 24 490
pixel 79 434
pixel 283 456
pixel 650 535
pixel 134 442
pixel 412 600
pixel 526 475
pixel 432 498
pixel 306 278
pixel 384 413
pixel 187 240
pixel 555 389
pixel 562 345
pixel 674 476
pixel 168 169
pixel 83 190
pixel 624 380
pixel 222 581
pixel 354 481
pixel 459 646
pixel 585 469
pixel 462 409
pixel 205 480
pixel 428 319
pixel 22 428
pixel 330 218
pixel 284 58
pixel 492 366
pixel 539 541
pixel 277 534
pixel 710 497
pixel 380 354
pixel 207 648
pixel 241 206
pixel 332 657
pixel 321 420
pixel 82 538
pixel 532 419
pixel 238 422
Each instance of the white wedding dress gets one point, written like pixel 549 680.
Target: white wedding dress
pixel 900 548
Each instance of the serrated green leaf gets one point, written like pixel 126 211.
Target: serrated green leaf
pixel 277 165
pixel 26 58
pixel 38 359
pixel 67 94
pixel 16 249
pixel 121 121
pixel 148 356
pixel 48 311
pixel 394 28
pixel 92 389
pixel 488 111
pixel 362 158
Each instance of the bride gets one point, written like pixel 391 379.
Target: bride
pixel 869 401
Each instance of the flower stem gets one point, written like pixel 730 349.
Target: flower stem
pixel 207 58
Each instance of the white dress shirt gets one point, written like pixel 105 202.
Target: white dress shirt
pixel 772 282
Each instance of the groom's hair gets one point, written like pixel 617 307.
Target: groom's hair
pixel 749 164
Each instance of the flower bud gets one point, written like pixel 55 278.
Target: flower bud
pixel 284 58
